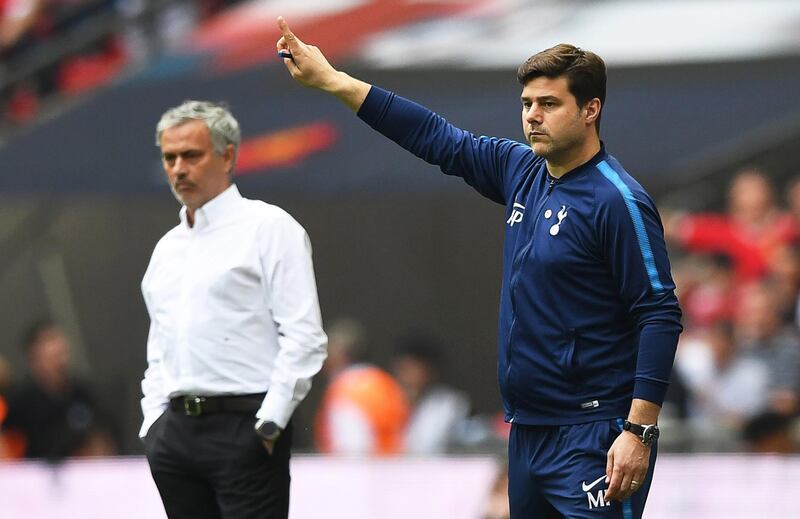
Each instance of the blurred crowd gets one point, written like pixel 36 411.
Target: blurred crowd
pixel 49 412
pixel 54 37
pixel 405 409
pixel 736 383
pixel 55 49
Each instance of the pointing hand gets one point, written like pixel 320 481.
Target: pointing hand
pixel 307 65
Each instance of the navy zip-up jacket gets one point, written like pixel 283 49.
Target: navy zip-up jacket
pixel 588 314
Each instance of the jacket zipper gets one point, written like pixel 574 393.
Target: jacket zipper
pixel 515 281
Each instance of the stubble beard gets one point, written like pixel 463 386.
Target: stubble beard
pixel 557 150
pixel 176 194
pixel 552 150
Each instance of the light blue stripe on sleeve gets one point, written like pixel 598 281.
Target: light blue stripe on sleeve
pixel 627 509
pixel 638 224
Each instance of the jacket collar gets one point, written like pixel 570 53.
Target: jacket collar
pixel 586 166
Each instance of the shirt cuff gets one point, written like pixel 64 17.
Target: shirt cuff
pixel 276 408
pixel 374 106
pixel 650 390
pixel 149 419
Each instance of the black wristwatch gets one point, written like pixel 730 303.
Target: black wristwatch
pixel 647 433
pixel 268 431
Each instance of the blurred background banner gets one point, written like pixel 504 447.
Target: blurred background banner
pixel 686 487
pixel 702 109
pixel 691 121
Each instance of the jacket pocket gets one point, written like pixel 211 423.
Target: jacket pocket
pixel 570 359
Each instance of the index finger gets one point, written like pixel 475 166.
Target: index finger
pixel 288 36
pixel 614 485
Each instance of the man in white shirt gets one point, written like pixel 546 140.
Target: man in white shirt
pixel 235 334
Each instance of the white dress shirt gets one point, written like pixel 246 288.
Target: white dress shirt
pixel 233 309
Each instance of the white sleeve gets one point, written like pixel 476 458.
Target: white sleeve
pixel 292 295
pixel 154 399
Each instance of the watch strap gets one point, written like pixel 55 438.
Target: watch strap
pixel 635 428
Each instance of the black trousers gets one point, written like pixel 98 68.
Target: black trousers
pixel 214 466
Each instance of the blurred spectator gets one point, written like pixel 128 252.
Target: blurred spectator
pixel 4 448
pixel 793 198
pixel 147 32
pixel 677 400
pixel 785 280
pixel 17 17
pixel 346 347
pixel 769 433
pixel 6 376
pixel 437 409
pixel 364 410
pixel 750 233
pixel 53 413
pixel 762 336
pixel 707 291
pixel 725 387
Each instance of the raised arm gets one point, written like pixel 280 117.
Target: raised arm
pixel 487 164
pixel 309 67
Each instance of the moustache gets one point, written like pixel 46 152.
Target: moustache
pixel 182 184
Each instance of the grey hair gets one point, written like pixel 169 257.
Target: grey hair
pixel 222 126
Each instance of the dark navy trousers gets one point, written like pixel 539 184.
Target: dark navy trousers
pixel 557 472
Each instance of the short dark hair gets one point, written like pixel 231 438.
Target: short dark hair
pixel 585 72
pixel 764 425
pixel 422 348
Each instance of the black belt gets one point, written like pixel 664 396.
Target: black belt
pixel 196 405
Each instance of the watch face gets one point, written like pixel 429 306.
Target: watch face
pixel 269 430
pixel 650 434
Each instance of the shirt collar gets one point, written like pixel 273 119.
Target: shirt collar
pixel 214 210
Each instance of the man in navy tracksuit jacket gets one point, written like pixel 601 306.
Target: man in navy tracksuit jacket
pixel 589 321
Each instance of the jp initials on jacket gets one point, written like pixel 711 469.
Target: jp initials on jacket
pixel 516 214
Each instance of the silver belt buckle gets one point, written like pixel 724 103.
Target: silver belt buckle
pixel 192 406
